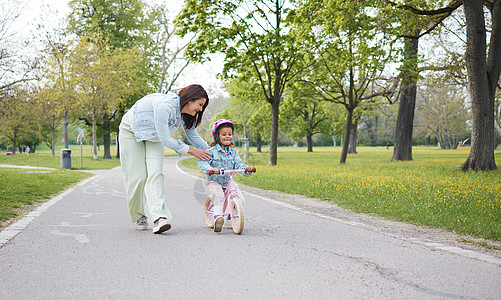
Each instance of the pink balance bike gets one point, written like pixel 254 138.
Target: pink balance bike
pixel 233 212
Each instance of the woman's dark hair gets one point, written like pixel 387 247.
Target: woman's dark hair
pixel 216 134
pixel 191 93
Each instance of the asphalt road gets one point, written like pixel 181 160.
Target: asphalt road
pixel 81 245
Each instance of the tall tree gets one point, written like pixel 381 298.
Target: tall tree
pixel 167 49
pixel 483 76
pixel 249 33
pixel 304 116
pixel 483 69
pixel 124 24
pixel 350 53
pixel 15 68
pixel 50 109
pixel 411 20
pixel 441 111
pixel 100 75
pixel 17 120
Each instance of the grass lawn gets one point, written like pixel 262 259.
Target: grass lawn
pixel 22 187
pixel 428 191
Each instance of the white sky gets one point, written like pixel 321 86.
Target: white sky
pixel 34 10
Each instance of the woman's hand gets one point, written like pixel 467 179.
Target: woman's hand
pixel 250 170
pixel 213 171
pixel 199 153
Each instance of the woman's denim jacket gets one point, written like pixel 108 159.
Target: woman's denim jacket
pixel 229 160
pixel 159 115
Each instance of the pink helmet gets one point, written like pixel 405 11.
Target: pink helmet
pixel 221 122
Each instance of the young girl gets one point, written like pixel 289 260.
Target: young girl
pixel 223 157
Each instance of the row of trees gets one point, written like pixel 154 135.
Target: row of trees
pixel 344 51
pixel 306 66
pixel 442 117
pixel 90 68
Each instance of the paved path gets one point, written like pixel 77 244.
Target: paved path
pixel 81 245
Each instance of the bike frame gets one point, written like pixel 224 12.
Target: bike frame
pixel 230 189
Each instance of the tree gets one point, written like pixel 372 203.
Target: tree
pixel 441 111
pixel 497 110
pixel 303 116
pixel 17 121
pixel 53 115
pixel 350 53
pixel 125 25
pixel 483 71
pixel 252 35
pixel 58 91
pixel 246 110
pixel 168 50
pixel 483 76
pixel 101 77
pixel 14 67
pixel 411 23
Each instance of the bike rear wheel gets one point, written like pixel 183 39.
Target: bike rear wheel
pixel 209 211
pixel 237 215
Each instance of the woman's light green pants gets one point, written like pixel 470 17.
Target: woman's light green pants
pixel 142 164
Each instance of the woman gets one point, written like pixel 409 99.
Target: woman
pixel 144 131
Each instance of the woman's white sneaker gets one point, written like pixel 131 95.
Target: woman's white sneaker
pixel 161 225
pixel 142 223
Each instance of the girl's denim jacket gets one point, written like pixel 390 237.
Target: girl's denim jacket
pixel 221 159
pixel 159 115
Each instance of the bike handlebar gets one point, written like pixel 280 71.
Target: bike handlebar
pixel 231 172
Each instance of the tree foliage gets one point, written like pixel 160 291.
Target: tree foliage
pixel 102 77
pixel 303 116
pixel 350 54
pixel 255 41
pixel 442 112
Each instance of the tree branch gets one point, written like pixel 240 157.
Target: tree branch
pixel 453 5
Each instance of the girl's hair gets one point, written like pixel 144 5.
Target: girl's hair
pixel 216 134
pixel 191 93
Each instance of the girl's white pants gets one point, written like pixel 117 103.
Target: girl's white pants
pixel 217 193
pixel 142 167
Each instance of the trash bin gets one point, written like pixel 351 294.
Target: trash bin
pixel 65 158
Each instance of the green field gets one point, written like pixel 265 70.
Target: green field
pixel 22 187
pixel 428 191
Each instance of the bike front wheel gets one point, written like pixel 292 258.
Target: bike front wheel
pixel 237 215
pixel 209 211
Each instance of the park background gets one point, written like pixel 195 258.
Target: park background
pixel 364 105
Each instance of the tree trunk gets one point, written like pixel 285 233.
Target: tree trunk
pixel 309 143
pixel 352 145
pixel 405 119
pixel 482 77
pixel 94 139
pixel 369 131
pixel 106 137
pixel 117 154
pixel 347 132
pixel 65 125
pixel 274 131
pixel 53 142
pixel 259 143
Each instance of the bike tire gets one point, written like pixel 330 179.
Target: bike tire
pixel 237 215
pixel 209 211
